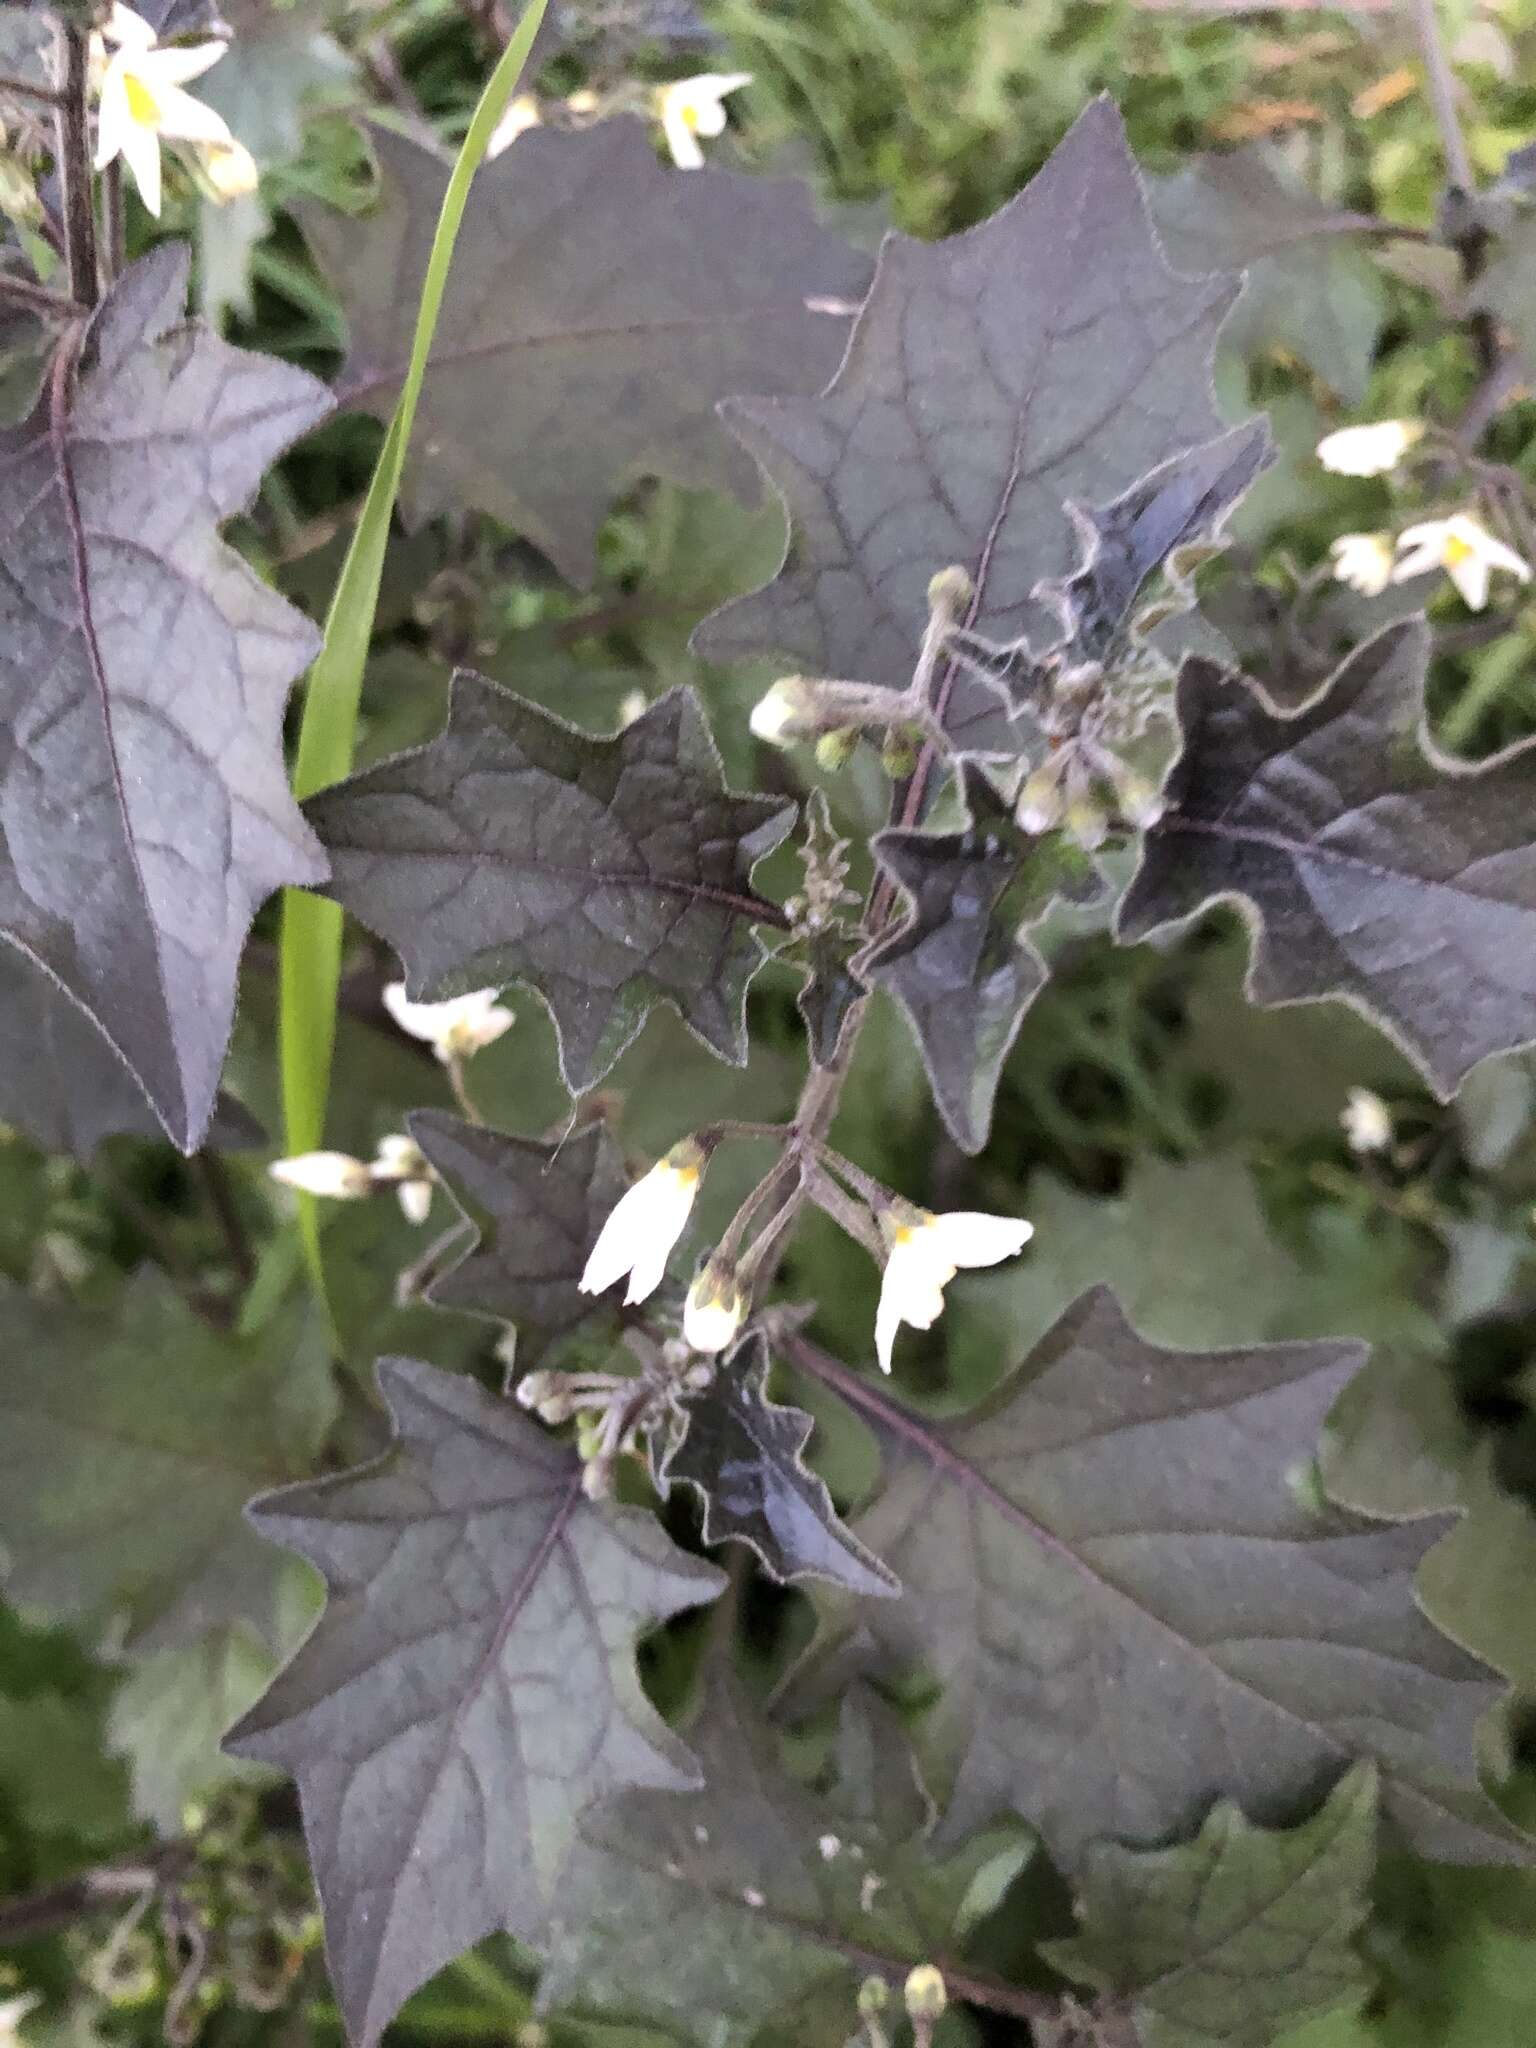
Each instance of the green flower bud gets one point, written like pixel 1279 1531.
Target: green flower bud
pixel 924 1993
pixel 834 750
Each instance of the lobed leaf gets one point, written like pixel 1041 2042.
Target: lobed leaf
pixel 1372 867
pixel 642 296
pixel 609 874
pixel 143 674
pixel 1232 1939
pixel 1131 1613
pixel 1049 354
pixel 537 1209
pixel 470 1688
pixel 744 1456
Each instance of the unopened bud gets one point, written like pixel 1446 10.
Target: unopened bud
pixel 589 1437
pixel 1141 802
pixel 715 1309
pixel 898 756
pixel 1087 823
pixel 534 1388
pixel 874 1997
pixel 786 713
pixel 333 1174
pixel 597 1479
pixel 950 591
pixel 924 1993
pixel 834 750
pixel 1041 802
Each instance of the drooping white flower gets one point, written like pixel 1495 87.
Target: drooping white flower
pixel 401 1164
pixel 1367 1121
pixel 1464 549
pixel 336 1175
pixel 715 1309
pixel 1370 449
pixel 926 1251
pixel 691 107
pixel 455 1029
pixel 231 170
pixel 141 100
pixel 1363 561
pixel 521 115
pixel 645 1223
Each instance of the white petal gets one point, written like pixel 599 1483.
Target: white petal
pixel 970 1238
pixel 185 119
pixel 131 31
pixel 1498 556
pixel 113 118
pixel 887 1323
pixel 334 1174
pixel 416 1200
pixel 1428 532
pixel 175 67
pixel 1470 573
pixel 681 140
pixel 141 153
pixel 709 119
pixel 619 1242
pixel 1418 561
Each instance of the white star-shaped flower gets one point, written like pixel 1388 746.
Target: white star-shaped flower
pixel 141 100
pixel 1363 561
pixel 644 1225
pixel 1370 449
pixel 926 1251
pixel 1464 549
pixel 455 1029
pixel 691 107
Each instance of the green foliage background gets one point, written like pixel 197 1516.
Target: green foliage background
pixel 1162 1135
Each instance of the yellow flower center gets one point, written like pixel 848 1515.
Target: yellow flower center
pixel 688 114
pixel 142 104
pixel 1457 551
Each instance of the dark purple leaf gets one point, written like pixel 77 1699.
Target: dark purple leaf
pixel 744 1454
pixel 1131 1613
pixel 142 681
pixel 609 874
pixel 1377 869
pixel 538 1209
pixel 470 1688
pixel 599 305
pixel 1048 355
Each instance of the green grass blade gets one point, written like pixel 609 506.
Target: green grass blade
pixel 310 944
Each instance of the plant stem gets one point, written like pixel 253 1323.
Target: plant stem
pixel 24 89
pixel 74 165
pixel 461 1094
pixel 114 226
pixel 213 1174
pixel 1442 97
pixel 22 292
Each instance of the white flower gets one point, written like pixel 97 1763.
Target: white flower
pixel 1367 1121
pixel 231 170
pixel 691 107
pixel 141 100
pixel 784 713
pixel 1369 450
pixel 12 2012
pixel 1464 549
pixel 926 1251
pixel 521 115
pixel 335 1174
pixel 1363 561
pixel 455 1029
pixel 401 1164
pixel 645 1223
pixel 715 1309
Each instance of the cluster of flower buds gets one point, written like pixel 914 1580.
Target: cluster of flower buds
pixel 399 1163
pixel 1085 789
pixel 615 1413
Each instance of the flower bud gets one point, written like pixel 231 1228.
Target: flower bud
pixel 715 1309
pixel 1041 804
pixel 1086 822
pixel 535 1387
pixel 950 591
pixel 231 170
pixel 786 713
pixel 334 1174
pixel 924 1994
pixel 597 1479
pixel 874 1997
pixel 1141 802
pixel 898 756
pixel 834 750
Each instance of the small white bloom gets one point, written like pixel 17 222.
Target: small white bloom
pixel 1367 1121
pixel 715 1309
pixel 455 1029
pixel 784 713
pixel 644 1225
pixel 401 1164
pixel 926 1251
pixel 1363 561
pixel 521 115
pixel 12 2012
pixel 1368 450
pixel 334 1174
pixel 1464 549
pixel 231 170
pixel 691 107
pixel 141 100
